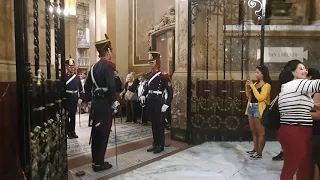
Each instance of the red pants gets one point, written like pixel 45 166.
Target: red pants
pixel 297 148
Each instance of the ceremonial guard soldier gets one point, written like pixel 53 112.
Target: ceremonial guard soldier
pixel 101 82
pixel 157 83
pixel 73 88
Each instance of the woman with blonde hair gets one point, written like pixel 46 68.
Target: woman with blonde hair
pixel 258 94
pixel 131 86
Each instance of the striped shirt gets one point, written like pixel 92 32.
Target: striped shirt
pixel 295 102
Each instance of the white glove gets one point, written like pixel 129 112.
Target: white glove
pixel 79 101
pixel 142 99
pixel 164 108
pixel 115 106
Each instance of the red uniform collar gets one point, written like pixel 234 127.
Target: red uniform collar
pixel 109 61
pixel 70 74
pixel 155 70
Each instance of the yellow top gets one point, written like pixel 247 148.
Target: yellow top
pixel 263 97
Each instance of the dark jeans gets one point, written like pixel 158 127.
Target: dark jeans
pixel 316 149
pixel 132 111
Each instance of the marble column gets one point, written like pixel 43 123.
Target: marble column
pixel 101 19
pixel 92 27
pixel 122 36
pixel 71 36
pixel 7 46
pixel 248 18
pixel 111 28
pixel 179 79
pixel 316 12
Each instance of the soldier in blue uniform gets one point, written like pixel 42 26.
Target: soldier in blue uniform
pixel 157 83
pixel 101 82
pixel 73 88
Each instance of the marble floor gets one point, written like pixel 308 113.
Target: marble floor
pixel 126 133
pixel 214 161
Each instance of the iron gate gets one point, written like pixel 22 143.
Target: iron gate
pixel 218 61
pixel 42 137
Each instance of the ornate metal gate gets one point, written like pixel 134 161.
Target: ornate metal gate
pixel 218 64
pixel 42 137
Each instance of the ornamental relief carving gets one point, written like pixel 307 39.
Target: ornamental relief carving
pixel 167 21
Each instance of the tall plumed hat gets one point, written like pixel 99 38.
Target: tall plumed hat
pixel 153 55
pixel 104 45
pixel 70 62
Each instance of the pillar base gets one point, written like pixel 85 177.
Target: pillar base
pixel 317 23
pixel 248 22
pixel 281 20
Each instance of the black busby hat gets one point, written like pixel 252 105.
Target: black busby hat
pixel 153 55
pixel 104 45
pixel 70 62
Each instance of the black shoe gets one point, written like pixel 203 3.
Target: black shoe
pixel 151 149
pixel 252 152
pixel 278 157
pixel 255 156
pixel 75 135
pixel 70 136
pixel 159 149
pixel 105 166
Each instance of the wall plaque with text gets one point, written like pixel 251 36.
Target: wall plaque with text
pixel 283 54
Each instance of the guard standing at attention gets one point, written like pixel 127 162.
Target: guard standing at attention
pixel 73 88
pixel 157 83
pixel 101 82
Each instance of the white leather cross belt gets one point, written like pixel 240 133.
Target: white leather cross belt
pixel 71 92
pixel 155 92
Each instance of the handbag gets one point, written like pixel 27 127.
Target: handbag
pixel 271 116
pixel 130 96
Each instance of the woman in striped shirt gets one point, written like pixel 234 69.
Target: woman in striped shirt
pixel 295 133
